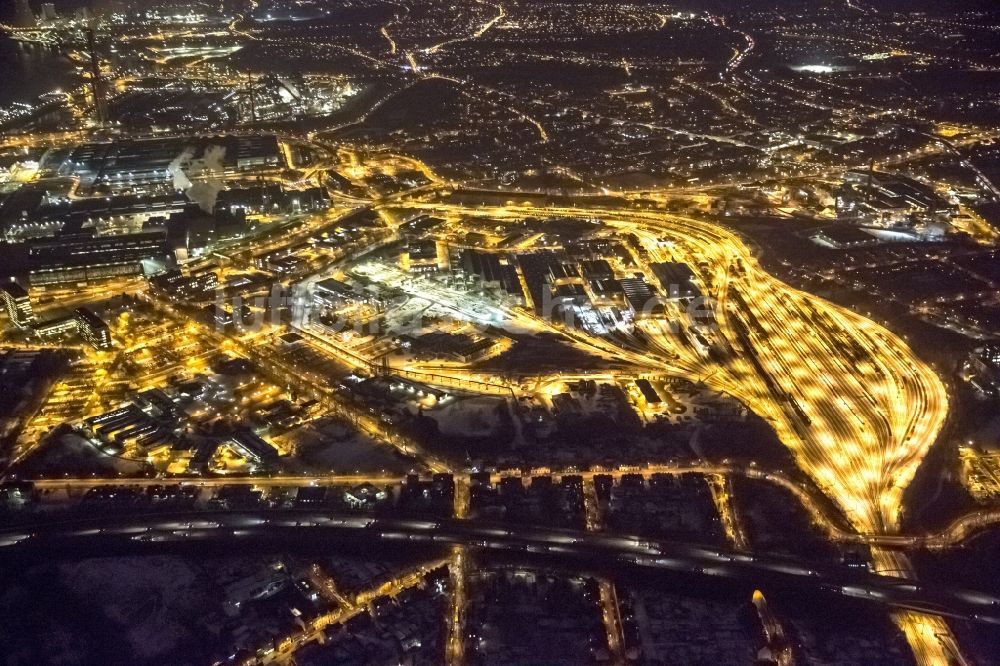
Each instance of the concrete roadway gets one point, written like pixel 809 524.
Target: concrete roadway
pixel 297 529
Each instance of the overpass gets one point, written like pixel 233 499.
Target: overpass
pixel 819 508
pixel 318 531
pixel 955 533
pixel 833 524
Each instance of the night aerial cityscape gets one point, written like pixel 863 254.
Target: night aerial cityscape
pixel 499 332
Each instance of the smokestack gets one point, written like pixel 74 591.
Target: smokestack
pixel 24 17
pixel 253 109
pixel 96 84
pixel 871 179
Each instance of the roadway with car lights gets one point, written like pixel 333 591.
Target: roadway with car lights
pixel 315 530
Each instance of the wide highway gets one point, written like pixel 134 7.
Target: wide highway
pixel 315 530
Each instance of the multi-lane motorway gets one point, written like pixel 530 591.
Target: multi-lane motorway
pixel 312 530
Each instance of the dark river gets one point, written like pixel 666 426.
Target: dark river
pixel 29 70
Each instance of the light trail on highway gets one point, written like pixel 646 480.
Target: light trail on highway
pixel 317 530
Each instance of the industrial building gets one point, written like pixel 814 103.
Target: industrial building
pixel 676 279
pixel 640 297
pixel 141 161
pixel 494 270
pixel 332 294
pixel 81 258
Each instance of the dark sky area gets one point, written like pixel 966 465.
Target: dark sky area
pixel 726 6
